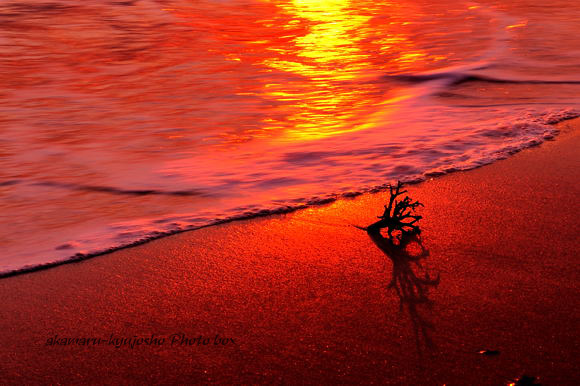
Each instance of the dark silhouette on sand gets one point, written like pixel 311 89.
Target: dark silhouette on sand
pixel 410 281
pixel 396 212
pixel 405 249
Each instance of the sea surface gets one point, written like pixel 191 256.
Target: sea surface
pixel 126 120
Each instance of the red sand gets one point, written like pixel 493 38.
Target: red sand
pixel 305 296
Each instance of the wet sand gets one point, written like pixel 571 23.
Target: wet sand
pixel 304 295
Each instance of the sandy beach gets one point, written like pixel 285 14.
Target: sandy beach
pixel 304 297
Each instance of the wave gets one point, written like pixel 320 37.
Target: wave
pixel 105 189
pixel 113 190
pixel 481 69
pixel 453 78
pixel 125 235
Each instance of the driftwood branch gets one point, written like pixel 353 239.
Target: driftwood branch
pixel 399 213
pixel 410 279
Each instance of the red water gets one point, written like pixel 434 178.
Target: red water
pixel 122 119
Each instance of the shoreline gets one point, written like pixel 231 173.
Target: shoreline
pixel 305 295
pixel 80 257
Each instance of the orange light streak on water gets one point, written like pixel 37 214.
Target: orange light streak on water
pixel 336 49
pixel 318 61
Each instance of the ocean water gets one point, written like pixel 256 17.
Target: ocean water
pixel 126 120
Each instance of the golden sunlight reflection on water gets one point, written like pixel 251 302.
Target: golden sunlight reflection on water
pixel 313 67
pixel 336 47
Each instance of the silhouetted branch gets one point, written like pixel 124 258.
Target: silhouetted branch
pixel 411 287
pixel 398 213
